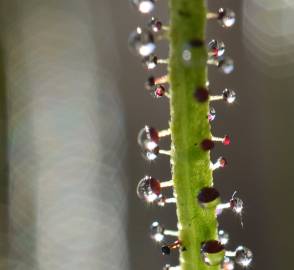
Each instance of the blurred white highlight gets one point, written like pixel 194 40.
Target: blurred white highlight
pixel 269 35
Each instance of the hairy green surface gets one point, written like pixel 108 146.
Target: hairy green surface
pixel 189 126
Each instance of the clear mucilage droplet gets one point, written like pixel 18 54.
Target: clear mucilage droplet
pixel 148 140
pixel 144 6
pixel 243 256
pixel 149 189
pixel 157 231
pixel 155 25
pixel 147 134
pixel 216 48
pixel 223 237
pixel 229 95
pixel 208 197
pixel 150 61
pixel 226 17
pixel 236 205
pixel 225 65
pixel 141 42
pixel 212 252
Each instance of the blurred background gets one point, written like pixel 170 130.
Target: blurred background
pixel 72 102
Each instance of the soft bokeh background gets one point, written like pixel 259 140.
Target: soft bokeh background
pixel 72 102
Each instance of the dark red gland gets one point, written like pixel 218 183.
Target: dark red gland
pixel 155 186
pixel 201 94
pixel 159 91
pixel 212 246
pixel 207 144
pixel 152 134
pixel 227 140
pixel 207 195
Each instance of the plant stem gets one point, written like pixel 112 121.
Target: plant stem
pixel 189 126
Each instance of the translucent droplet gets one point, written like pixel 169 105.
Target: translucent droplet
pixel 155 24
pixel 146 135
pixel 144 6
pixel 226 65
pixel 243 256
pixel 228 264
pixel 150 61
pixel 213 252
pixel 223 237
pixel 226 17
pixel 148 189
pixel 229 95
pixel 211 114
pixel 141 42
pixel 209 197
pixel 157 231
pixel 216 48
pixel 151 151
pixel 236 205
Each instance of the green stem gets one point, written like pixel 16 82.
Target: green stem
pixel 189 126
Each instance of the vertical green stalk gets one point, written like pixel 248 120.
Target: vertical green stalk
pixel 189 125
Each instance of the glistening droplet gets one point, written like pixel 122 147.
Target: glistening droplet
pixel 149 189
pixel 226 65
pixel 236 205
pixel 216 48
pixel 150 61
pixel 157 231
pixel 141 42
pixel 143 6
pixel 155 24
pixel 243 256
pixel 223 237
pixel 226 17
pixel 229 96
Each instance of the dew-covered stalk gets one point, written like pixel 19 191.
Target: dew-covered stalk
pixel 198 204
pixel 189 126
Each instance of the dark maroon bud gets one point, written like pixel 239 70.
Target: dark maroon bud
pixel 207 144
pixel 201 94
pixel 208 195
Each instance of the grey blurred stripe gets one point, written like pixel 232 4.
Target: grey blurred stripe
pixel 66 143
